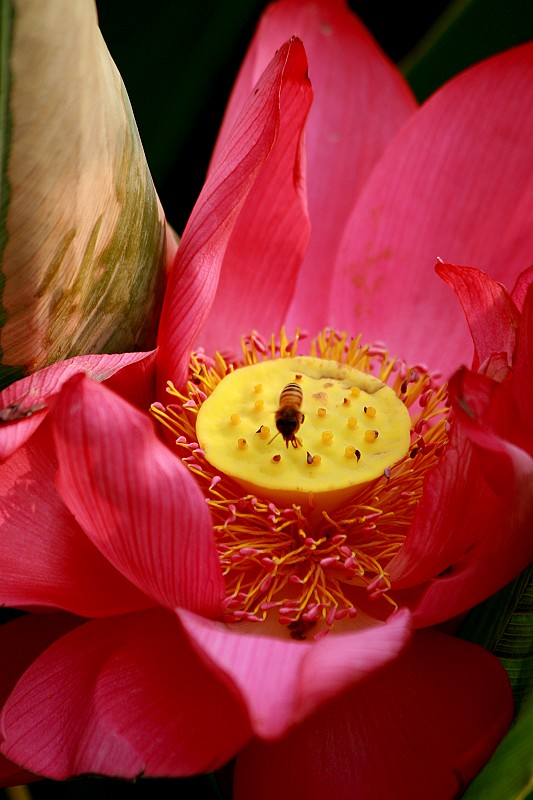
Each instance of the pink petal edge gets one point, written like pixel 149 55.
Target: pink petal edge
pixel 134 498
pixel 283 681
pixel 271 232
pixel 45 558
pixel 195 274
pixel 122 697
pixel 492 316
pixel 470 535
pixel 360 101
pixel 523 282
pixel 455 183
pixel 21 642
pixel 24 403
pixel 421 727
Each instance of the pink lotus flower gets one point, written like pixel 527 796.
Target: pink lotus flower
pixel 160 657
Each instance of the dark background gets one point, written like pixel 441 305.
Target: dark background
pixel 179 59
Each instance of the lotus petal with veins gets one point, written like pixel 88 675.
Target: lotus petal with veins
pixel 138 671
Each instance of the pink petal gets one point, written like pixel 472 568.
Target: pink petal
pixel 134 499
pixel 338 662
pixel 360 102
pixel 507 407
pixel 264 668
pixel 282 681
pixel 523 282
pixel 492 316
pixel 421 728
pixel 455 183
pixel 122 696
pixel 13 775
pixel 522 382
pixel 16 431
pixel 471 533
pixel 269 239
pixel 45 558
pixel 23 403
pixel 339 48
pixel 21 641
pixel 263 149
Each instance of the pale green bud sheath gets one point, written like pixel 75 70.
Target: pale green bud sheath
pixel 82 234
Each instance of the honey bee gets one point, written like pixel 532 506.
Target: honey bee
pixel 288 416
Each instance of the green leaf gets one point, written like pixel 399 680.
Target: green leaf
pixel 503 624
pixel 509 774
pixel 467 32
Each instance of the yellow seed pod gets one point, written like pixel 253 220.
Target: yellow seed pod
pixel 341 459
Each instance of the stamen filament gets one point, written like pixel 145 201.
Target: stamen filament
pixel 310 566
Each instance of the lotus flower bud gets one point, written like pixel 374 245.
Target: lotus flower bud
pixel 83 248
